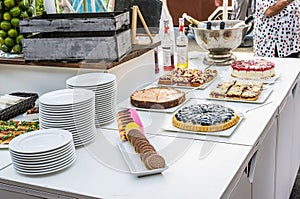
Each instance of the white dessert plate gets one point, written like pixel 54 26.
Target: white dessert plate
pixel 134 163
pixel 42 157
pixel 40 141
pixel 91 79
pixel 66 97
pixel 44 165
pixel 46 171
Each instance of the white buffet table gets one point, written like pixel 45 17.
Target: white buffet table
pixel 199 166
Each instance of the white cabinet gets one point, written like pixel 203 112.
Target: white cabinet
pixel 296 134
pixel 263 166
pixel 284 148
pixel 242 188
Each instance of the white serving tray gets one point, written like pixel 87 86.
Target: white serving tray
pixel 227 74
pixel 134 162
pixel 3 146
pixel 204 86
pixel 127 104
pixel 168 126
pixel 261 98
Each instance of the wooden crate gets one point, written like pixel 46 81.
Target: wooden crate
pixel 77 46
pixel 77 37
pixel 76 22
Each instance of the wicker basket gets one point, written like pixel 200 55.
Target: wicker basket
pixel 20 107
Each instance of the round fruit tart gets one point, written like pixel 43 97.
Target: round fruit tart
pixel 205 118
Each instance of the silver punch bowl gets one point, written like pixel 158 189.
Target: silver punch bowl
pixel 220 42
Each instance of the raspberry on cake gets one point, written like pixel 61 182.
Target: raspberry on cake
pixel 253 69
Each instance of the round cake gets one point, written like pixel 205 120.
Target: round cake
pixel 157 98
pixel 205 118
pixel 253 69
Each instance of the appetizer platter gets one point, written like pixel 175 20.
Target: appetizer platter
pixel 240 91
pixel 11 129
pixel 188 78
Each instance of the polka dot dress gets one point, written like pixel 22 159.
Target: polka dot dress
pixel 281 31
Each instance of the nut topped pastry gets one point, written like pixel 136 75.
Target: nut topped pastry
pixel 188 77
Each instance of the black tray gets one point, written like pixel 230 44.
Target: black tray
pixel 20 107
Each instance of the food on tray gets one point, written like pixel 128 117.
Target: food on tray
pixel 205 118
pixel 238 90
pixel 253 69
pixel 9 100
pixel 188 77
pixel 33 110
pixel 128 119
pixel 147 152
pixel 157 98
pixel 10 129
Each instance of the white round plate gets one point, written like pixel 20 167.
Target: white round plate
pixel 40 141
pixel 50 163
pixel 66 109
pixel 109 85
pixel 46 171
pixel 66 97
pixel 34 158
pixel 91 79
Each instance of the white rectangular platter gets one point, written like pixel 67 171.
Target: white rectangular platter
pixel 134 162
pixel 272 80
pixel 261 98
pixel 4 146
pixel 168 126
pixel 204 86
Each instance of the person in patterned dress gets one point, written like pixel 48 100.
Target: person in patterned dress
pixel 277 28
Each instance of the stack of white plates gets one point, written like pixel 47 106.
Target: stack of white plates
pixel 42 152
pixel 72 110
pixel 105 87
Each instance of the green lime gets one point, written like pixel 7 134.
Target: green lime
pixel 24 15
pixel 17 48
pixel 5 25
pixel 15 11
pixel 6 16
pixel 9 3
pixel 1 5
pixel 24 4
pixel 15 22
pixel 30 11
pixel 1 41
pixel 3 34
pixel 5 48
pixel 12 33
pixel 19 39
pixel 9 42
